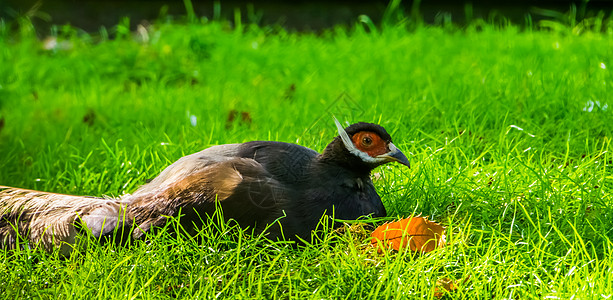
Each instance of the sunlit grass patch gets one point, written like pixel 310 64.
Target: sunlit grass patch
pixel 508 132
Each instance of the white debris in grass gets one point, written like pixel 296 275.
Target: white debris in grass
pixel 51 43
pixel 520 129
pixel 193 120
pixel 590 105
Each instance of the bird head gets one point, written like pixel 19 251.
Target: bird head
pixel 370 144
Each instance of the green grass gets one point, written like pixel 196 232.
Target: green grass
pixel 504 153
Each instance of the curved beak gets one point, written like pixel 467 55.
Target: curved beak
pixel 396 155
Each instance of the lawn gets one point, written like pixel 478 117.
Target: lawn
pixel 508 131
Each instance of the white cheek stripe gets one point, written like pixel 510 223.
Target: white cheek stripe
pixel 353 149
pixel 392 147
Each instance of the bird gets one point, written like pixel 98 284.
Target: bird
pixel 279 189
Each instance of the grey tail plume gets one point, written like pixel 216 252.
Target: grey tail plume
pixel 39 219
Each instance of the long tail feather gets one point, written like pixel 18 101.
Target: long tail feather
pixel 53 220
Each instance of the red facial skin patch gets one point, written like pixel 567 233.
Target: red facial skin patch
pixel 370 143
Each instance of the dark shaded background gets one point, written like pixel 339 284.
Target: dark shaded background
pixel 90 15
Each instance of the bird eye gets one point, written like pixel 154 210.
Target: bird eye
pixel 366 141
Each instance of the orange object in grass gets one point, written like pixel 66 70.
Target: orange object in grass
pixel 416 233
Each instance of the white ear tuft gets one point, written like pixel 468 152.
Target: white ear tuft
pixel 343 134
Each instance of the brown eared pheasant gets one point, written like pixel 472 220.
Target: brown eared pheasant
pixel 281 187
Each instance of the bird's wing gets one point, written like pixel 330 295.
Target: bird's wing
pixel 244 190
pixel 189 165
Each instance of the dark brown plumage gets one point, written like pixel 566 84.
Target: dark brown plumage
pixel 255 183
